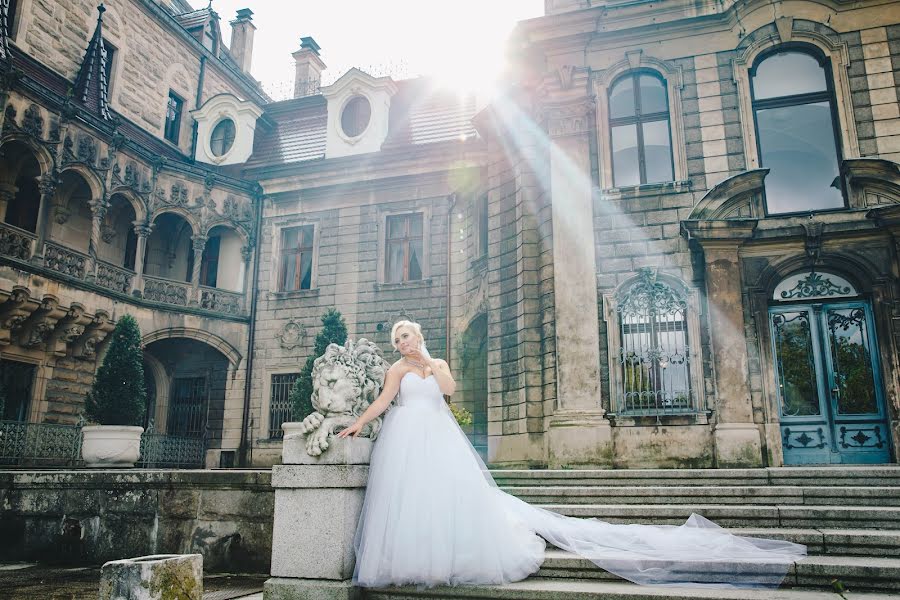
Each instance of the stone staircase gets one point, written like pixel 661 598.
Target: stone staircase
pixel 849 517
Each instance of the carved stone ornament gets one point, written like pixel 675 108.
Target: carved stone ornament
pixel 179 194
pixel 61 214
pixel 569 119
pixel 9 120
pixel 292 335
pixel 33 122
pixel 346 380
pixel 87 149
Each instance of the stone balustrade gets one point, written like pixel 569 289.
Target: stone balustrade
pixel 222 301
pixel 114 278
pixel 65 261
pixel 167 291
pixel 15 242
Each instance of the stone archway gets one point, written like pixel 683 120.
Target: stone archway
pixel 472 390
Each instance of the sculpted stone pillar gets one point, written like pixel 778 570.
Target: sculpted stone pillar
pixel 199 243
pixel 247 256
pixel 98 213
pixel 142 232
pixel 47 186
pixel 579 434
pixel 737 437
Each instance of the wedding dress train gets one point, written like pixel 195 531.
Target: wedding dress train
pixel 434 516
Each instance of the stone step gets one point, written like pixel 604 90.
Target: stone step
pixel 838 476
pixel 570 589
pixel 855 573
pixel 729 515
pixel 753 495
pixel 834 542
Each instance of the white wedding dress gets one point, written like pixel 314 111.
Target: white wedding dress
pixel 433 516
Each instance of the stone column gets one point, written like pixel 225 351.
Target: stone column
pixel 98 213
pixel 737 437
pixel 199 243
pixel 7 193
pixel 142 232
pixel 317 505
pixel 47 186
pixel 579 434
pixel 247 256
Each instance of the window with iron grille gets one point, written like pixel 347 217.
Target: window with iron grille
pixel 403 248
pixel 280 410
pixel 187 408
pixel 639 130
pixel 654 356
pixel 174 108
pixel 297 245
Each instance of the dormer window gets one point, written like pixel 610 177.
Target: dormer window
pixel 355 116
pixel 222 138
pixel 209 38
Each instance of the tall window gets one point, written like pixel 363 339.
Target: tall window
pixel 11 17
pixel 108 65
pixel 481 214
pixel 174 109
pixel 280 410
pixel 403 248
pixel 654 356
pixel 17 380
pixel 639 130
pixel 793 104
pixel 297 258
pixel 209 263
pixel 187 411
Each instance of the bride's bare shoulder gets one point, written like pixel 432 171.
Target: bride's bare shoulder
pixel 398 369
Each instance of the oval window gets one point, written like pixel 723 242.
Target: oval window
pixel 356 115
pixel 222 137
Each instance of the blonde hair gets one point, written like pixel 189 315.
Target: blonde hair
pixel 415 327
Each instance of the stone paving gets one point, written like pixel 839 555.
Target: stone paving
pixel 30 581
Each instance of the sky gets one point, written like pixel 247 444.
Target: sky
pixel 459 42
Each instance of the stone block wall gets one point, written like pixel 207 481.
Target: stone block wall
pixel 89 517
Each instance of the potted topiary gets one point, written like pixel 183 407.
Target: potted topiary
pixel 117 402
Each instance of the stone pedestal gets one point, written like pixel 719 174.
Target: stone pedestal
pixel 580 439
pixel 317 506
pixel 738 445
pixel 156 577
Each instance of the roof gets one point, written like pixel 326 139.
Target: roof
pixel 195 18
pixel 419 115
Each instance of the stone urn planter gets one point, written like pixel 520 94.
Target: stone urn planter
pixel 111 446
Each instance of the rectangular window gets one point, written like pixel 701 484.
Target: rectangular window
pixel 297 258
pixel 280 410
pixel 403 248
pixel 17 379
pixel 174 109
pixel 108 67
pixel 187 408
pixel 11 17
pixel 481 214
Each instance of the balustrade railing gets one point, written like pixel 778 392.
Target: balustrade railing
pixel 221 300
pixel 15 242
pixel 114 278
pixel 39 444
pixel 58 445
pixel 166 290
pixel 65 261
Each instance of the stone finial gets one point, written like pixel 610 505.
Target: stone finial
pixel 346 379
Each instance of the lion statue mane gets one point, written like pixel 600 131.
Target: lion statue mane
pixel 346 380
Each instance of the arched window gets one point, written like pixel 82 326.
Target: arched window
pixel 639 130
pixel 654 358
pixel 796 131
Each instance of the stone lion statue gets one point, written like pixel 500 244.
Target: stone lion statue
pixel 346 379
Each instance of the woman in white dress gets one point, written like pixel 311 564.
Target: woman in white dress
pixel 433 515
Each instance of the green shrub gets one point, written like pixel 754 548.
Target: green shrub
pixel 334 331
pixel 118 396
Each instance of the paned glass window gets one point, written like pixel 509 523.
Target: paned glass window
pixel 222 137
pixel 174 108
pixel 297 258
pixel 403 248
pixel 639 130
pixel 793 105
pixel 280 410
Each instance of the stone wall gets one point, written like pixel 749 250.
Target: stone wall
pixel 89 517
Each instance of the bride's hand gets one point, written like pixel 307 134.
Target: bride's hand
pixel 352 430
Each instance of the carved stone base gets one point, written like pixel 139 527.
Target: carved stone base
pixel 341 451
pixel 580 439
pixel 738 445
pixel 279 588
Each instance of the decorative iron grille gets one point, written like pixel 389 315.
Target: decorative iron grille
pixel 39 444
pixel 654 356
pixel 280 409
pixel 159 451
pixel 187 412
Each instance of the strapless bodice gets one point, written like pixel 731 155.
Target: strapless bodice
pixel 418 392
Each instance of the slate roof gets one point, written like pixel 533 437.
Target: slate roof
pixel 419 115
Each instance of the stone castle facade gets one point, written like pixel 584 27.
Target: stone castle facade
pixel 673 240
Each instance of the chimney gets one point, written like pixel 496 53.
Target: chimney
pixel 242 29
pixel 309 67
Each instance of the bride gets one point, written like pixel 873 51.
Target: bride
pixel 434 516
